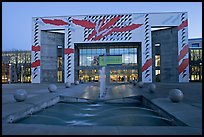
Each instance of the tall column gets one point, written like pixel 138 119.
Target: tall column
pixel 35 52
pixel 147 51
pixel 183 57
pixel 68 55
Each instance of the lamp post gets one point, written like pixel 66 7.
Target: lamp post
pixel 10 73
pixel 22 73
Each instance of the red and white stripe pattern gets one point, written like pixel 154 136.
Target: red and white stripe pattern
pixel 183 57
pixel 35 66
pixel 147 52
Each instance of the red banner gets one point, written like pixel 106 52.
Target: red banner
pixel 84 23
pixel 35 48
pixel 182 25
pixel 35 64
pixel 183 65
pixel 68 50
pixel 147 64
pixel 183 52
pixel 54 22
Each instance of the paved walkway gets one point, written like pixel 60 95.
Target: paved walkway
pixel 189 110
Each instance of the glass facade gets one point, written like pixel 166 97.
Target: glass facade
pixel 5 73
pixel 196 64
pixel 196 55
pixel 20 66
pixel 129 55
pixel 196 73
pixel 88 62
pixel 89 75
pixel 124 75
pixel 89 57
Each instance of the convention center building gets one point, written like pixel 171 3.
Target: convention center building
pixel 147 47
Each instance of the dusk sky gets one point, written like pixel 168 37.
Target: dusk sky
pixel 17 16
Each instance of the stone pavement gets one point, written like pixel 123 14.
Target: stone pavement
pixel 189 110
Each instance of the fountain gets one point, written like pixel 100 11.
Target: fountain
pixel 102 83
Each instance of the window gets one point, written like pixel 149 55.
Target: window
pixel 129 55
pixel 59 46
pixel 157 45
pixel 157 72
pixel 195 45
pixel 157 60
pixel 89 57
pixel 196 73
pixel 196 55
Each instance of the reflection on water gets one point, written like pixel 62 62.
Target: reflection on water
pixel 79 122
pixel 87 108
pixel 95 105
pixel 100 114
pixel 84 115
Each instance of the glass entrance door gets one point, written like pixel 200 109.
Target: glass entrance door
pixel 89 75
pixel 122 76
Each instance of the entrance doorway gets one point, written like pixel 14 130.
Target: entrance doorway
pixel 123 75
pixel 121 60
pixel 60 66
pixel 89 75
pixel 52 56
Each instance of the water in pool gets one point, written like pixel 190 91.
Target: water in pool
pixel 98 114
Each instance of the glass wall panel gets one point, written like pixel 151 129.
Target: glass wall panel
pixel 196 55
pixel 129 55
pixel 89 75
pixel 89 57
pixel 123 75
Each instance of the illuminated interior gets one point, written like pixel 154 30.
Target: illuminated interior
pixel 89 62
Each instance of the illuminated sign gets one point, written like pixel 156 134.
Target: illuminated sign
pixel 105 60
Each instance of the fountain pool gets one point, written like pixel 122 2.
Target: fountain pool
pixel 97 114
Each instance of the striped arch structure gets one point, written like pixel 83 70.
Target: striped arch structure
pixel 134 27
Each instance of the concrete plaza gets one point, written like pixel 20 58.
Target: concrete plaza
pixel 189 110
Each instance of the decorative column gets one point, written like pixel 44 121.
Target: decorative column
pixel 183 57
pixel 35 53
pixel 68 55
pixel 147 51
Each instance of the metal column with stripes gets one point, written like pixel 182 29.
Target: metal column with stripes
pixel 35 56
pixel 147 52
pixel 183 57
pixel 68 55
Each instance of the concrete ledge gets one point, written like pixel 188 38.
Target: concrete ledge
pixel 17 110
pixel 158 130
pixel 190 115
pixel 37 129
